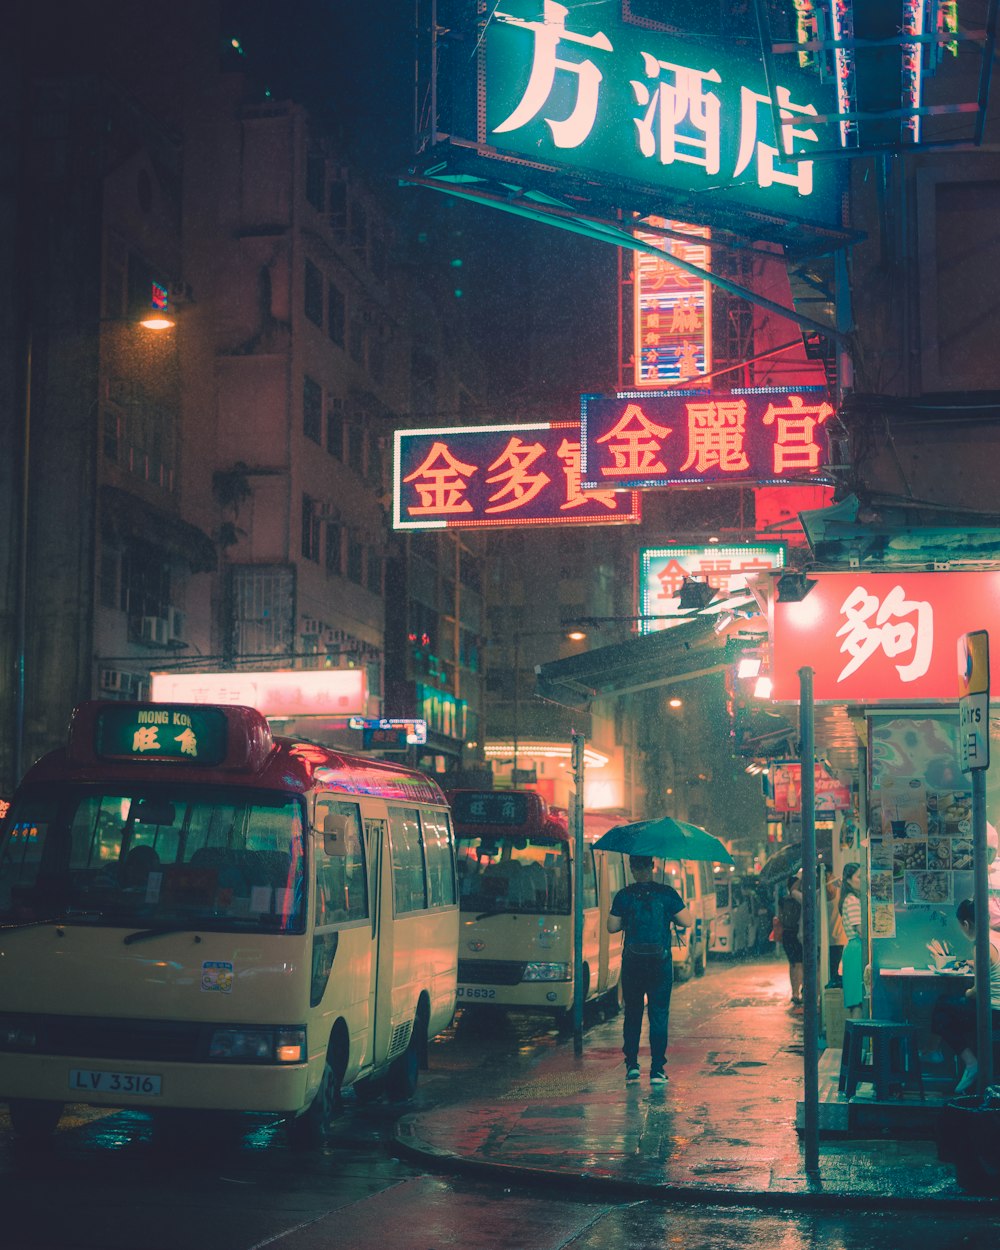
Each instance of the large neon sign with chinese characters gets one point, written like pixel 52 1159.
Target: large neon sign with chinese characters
pixel 572 84
pixel 493 475
pixel 663 570
pixel 672 314
pixel 640 439
pixel 879 637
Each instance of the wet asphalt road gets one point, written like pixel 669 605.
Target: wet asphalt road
pixel 104 1184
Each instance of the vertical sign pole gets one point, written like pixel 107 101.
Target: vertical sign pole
pixel 810 979
pixel 974 745
pixel 576 830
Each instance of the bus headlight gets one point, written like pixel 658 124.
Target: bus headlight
pixel 250 1045
pixel 546 972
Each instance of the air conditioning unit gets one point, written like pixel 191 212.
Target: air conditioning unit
pixel 113 680
pixel 176 623
pixel 155 629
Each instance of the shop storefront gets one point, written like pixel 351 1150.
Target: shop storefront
pixel 885 645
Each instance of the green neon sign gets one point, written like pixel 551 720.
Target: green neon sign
pixel 570 84
pixel 196 735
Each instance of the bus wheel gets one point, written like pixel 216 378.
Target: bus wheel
pixel 404 1071
pixel 309 1130
pixel 34 1120
pixel 611 1003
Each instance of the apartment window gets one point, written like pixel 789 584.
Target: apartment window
pixel 315 179
pixel 336 314
pixel 263 598
pixel 314 294
pixel 310 528
pixel 312 410
pixel 335 427
pixel 377 356
pixel 335 548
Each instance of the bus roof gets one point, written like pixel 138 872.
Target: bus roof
pixel 221 744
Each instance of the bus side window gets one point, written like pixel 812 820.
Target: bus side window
pixel 439 849
pixel 409 885
pixel 341 880
pixel 589 879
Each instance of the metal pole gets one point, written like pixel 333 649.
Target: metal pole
pixel 810 989
pixel 981 897
pixel 865 858
pixel 517 700
pixel 576 812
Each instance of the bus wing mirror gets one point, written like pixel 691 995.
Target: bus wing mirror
pixel 335 827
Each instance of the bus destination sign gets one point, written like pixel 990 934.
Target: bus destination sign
pixel 162 732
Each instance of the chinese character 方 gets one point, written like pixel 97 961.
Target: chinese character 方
pixel 872 625
pixel 548 34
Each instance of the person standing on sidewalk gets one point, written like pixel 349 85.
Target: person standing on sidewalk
pixel 790 917
pixel 645 911
pixel 850 911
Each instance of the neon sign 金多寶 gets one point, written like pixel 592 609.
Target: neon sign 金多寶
pixel 499 475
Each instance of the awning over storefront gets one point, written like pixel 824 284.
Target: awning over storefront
pixel 132 517
pixel 691 648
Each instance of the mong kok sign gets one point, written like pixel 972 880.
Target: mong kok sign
pixel 573 85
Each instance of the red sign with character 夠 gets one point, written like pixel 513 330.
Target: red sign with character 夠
pixel 492 475
pixel 879 637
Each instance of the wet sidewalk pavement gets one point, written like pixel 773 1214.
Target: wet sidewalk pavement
pixel 721 1130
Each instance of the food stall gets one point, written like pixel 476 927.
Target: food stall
pixel 885 645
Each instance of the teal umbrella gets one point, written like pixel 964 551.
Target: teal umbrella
pixel 665 838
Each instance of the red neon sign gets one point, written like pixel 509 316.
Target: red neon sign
pixel 879 637
pixel 493 475
pixel 641 439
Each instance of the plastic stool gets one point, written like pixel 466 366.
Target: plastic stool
pixel 894 1062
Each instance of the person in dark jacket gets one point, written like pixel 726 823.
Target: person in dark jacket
pixel 645 910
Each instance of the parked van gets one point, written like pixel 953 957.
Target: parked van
pixel 734 931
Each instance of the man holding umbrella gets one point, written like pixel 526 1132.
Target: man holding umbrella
pixel 645 910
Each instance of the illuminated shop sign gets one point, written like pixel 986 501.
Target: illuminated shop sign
pixel 672 313
pixel 491 475
pixel 743 437
pixel 571 84
pixel 442 713
pixel 785 789
pixel 196 735
pixel 320 692
pixel 387 730
pixel 662 571
pixel 879 637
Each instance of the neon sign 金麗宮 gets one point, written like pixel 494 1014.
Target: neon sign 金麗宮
pixel 493 475
pixel 573 85
pixel 663 571
pixel 640 439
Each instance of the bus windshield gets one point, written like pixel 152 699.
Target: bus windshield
pixel 155 858
pixel 513 874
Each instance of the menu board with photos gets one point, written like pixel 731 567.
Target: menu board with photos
pixel 920 821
